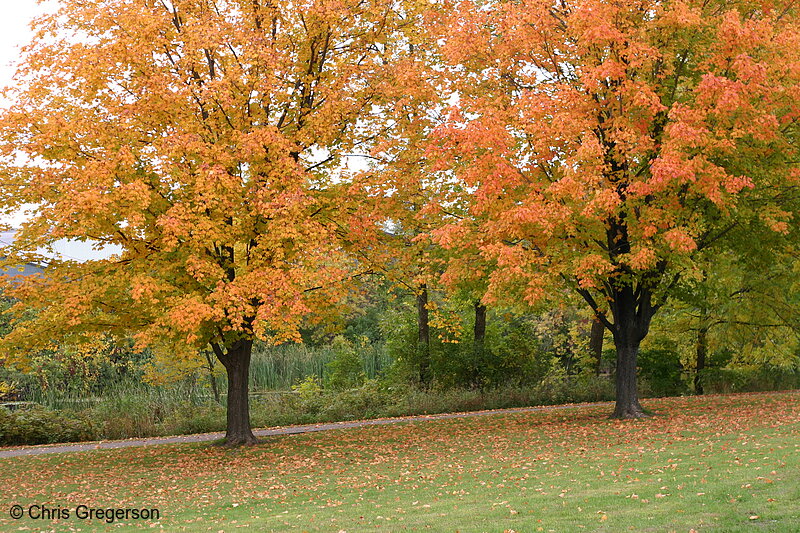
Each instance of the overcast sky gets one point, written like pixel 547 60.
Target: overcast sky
pixel 15 32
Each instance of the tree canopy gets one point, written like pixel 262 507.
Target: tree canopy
pixel 204 138
pixel 610 146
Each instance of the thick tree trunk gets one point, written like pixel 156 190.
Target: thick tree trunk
pixel 701 349
pixel 478 341
pixel 423 337
pixel 632 311
pixel 627 400
pixel 237 365
pixel 596 343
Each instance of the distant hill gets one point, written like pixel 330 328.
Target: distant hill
pixel 28 269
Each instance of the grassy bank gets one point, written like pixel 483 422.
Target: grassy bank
pixel 342 380
pixel 723 463
pixel 147 412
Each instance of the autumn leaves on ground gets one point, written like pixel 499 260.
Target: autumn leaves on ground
pixel 262 171
pixel 721 463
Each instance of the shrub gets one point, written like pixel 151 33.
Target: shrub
pixel 661 370
pixel 748 379
pixel 142 414
pixel 368 401
pixel 38 425
pixel 512 354
pixel 346 370
pixel 309 395
pixel 559 387
pixel 188 419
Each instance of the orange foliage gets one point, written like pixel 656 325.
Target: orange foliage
pixel 205 140
pixel 614 140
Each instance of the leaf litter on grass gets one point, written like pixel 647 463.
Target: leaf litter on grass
pixel 566 469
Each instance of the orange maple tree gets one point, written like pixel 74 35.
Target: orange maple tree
pixel 202 138
pixel 604 144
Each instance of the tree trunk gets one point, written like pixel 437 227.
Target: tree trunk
pixel 211 378
pixel 596 343
pixel 701 349
pixel 479 337
pixel 627 400
pixel 423 337
pixel 237 366
pixel 632 311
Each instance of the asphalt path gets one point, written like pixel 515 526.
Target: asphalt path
pixel 287 430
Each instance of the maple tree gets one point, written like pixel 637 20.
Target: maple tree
pixel 613 146
pixel 202 138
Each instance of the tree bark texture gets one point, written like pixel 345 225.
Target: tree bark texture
pixel 479 338
pixel 701 350
pixel 627 401
pixel 632 311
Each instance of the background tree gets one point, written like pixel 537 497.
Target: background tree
pixel 745 305
pixel 609 143
pixel 200 137
pixel 396 190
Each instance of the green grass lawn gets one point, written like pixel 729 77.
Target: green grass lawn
pixel 725 463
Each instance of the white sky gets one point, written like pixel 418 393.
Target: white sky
pixel 15 32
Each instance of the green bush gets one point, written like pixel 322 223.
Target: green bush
pixel 368 401
pixel 285 409
pixel 591 388
pixel 513 354
pixel 511 351
pixel 660 370
pixel 748 379
pixel 188 419
pixel 310 397
pixel 346 370
pixel 141 414
pixel 38 425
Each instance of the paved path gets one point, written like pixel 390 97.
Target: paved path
pixel 288 430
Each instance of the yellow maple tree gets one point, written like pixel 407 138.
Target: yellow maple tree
pixel 202 138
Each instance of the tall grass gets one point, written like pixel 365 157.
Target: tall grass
pixel 132 408
pixel 273 368
pixel 122 393
pixel 278 368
